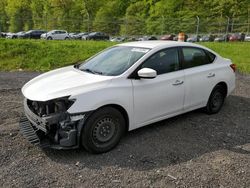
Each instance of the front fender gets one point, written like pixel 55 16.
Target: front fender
pixel 113 95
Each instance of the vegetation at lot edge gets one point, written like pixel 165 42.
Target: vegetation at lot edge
pixel 127 17
pixel 42 55
pixel 238 52
pixel 38 55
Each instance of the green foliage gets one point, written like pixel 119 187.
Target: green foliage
pixel 45 55
pixel 107 19
pixel 238 52
pixel 127 17
pixel 37 55
pixel 20 15
pixel 135 18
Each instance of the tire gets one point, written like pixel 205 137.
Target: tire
pixel 67 38
pixel 49 38
pixel 103 130
pixel 216 100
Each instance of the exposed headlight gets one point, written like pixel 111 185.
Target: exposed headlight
pixel 50 107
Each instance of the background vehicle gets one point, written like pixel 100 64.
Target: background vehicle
pixel 145 38
pixel 222 38
pixel 79 36
pixel 193 39
pixel 14 35
pixel 207 38
pixel 247 38
pixel 3 35
pixel 55 35
pixel 117 39
pixel 123 88
pixel 237 37
pixel 96 36
pixel 72 35
pixel 32 34
pixel 168 37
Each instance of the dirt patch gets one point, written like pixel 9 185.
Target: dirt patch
pixel 191 150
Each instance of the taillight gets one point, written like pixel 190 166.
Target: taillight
pixel 233 66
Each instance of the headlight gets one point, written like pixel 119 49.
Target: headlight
pixel 50 107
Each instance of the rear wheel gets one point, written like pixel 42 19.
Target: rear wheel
pixel 103 130
pixel 216 100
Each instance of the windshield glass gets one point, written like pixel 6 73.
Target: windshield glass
pixel 113 61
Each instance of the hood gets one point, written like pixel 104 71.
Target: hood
pixel 63 82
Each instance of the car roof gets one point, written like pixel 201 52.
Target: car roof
pixel 57 30
pixel 159 44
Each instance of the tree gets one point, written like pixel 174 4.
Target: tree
pixel 135 18
pixel 20 15
pixel 129 17
pixel 3 16
pixel 107 20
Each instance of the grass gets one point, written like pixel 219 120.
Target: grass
pixel 238 52
pixel 41 55
pixel 38 55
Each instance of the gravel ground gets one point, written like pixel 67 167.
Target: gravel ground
pixel 191 150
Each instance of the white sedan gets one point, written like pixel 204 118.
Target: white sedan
pixel 127 86
pixel 55 35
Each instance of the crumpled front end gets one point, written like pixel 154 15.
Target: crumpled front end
pixel 48 124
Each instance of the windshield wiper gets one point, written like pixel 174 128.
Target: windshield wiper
pixel 92 71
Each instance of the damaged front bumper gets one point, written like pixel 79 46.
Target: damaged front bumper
pixel 59 130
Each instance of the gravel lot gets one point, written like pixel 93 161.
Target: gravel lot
pixel 191 150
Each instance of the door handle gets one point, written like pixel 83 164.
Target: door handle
pixel 210 75
pixel 178 82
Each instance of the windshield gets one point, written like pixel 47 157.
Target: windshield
pixel 113 61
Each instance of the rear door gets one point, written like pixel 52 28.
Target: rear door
pixel 157 98
pixel 200 76
pixel 62 35
pixel 56 35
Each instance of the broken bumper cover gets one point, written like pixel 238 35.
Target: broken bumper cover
pixel 51 131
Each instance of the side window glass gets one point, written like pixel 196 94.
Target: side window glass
pixel 194 57
pixel 211 56
pixel 164 61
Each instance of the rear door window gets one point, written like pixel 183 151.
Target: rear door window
pixel 193 57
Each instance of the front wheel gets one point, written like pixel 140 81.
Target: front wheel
pixel 103 130
pixel 216 100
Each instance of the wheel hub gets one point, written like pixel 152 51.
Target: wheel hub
pixel 217 100
pixel 104 130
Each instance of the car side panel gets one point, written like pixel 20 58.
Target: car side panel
pixel 198 85
pixel 118 92
pixel 201 80
pixel 158 97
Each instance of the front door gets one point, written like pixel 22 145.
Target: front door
pixel 155 99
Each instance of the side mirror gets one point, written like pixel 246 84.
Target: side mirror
pixel 147 73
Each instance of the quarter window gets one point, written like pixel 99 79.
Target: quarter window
pixel 164 61
pixel 211 56
pixel 194 57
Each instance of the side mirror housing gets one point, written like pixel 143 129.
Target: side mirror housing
pixel 147 73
